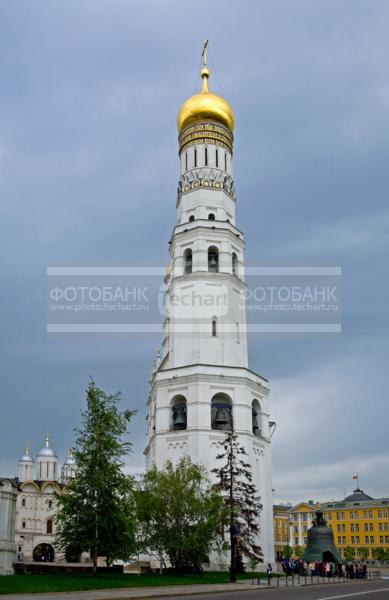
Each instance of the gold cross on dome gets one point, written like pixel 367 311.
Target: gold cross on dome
pixel 204 53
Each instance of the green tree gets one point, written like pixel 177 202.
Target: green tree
pixel 234 481
pixel 180 513
pixel 298 551
pixel 287 552
pixel 363 553
pixel 379 554
pixel 95 512
pixel 349 553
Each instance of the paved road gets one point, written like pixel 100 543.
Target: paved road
pixel 369 590
pixel 376 590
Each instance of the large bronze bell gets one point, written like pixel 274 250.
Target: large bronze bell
pixel 221 418
pixel 179 417
pixel 321 546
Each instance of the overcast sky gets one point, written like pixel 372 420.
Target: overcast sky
pixel 88 174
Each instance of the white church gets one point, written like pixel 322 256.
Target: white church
pixel 38 480
pixel 202 384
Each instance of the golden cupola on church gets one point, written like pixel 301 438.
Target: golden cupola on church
pixel 205 117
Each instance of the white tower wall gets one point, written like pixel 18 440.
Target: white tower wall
pixel 204 349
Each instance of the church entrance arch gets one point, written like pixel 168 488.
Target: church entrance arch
pixel 43 553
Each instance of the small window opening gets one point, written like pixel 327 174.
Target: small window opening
pixel 211 217
pixel 213 260
pixel 186 161
pixel 234 264
pixel 188 261
pixel 191 218
pixel 217 157
pixel 206 157
pixel 225 161
pixel 214 328
pixel 195 157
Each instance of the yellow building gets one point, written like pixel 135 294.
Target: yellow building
pixel 300 520
pixel 359 521
pixel 281 529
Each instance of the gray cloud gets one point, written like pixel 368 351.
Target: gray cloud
pixel 88 172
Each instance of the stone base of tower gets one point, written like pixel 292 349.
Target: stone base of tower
pixel 197 386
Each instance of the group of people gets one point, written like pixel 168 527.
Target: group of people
pixel 324 569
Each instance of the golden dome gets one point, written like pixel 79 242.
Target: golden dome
pixel 205 107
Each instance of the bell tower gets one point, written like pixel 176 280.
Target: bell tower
pixel 201 384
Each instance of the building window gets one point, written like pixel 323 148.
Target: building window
pixel 50 503
pixel 372 539
pixel 186 161
pixel 213 259
pixel 178 413
pixel 234 264
pixel 217 157
pixel 211 217
pixel 225 161
pixel 214 327
pixel 187 261
pixel 191 218
pixel 206 156
pixel 256 417
pixel 24 502
pixel 221 412
pixel 49 526
pixel 195 157
pixel 24 525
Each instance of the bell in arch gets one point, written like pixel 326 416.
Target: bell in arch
pixel 321 546
pixel 179 417
pixel 222 417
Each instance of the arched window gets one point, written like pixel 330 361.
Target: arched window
pixel 221 412
pixel 50 503
pixel 24 525
pixel 234 263
pixel 213 259
pixel 24 502
pixel 178 413
pixel 188 261
pixel 211 217
pixel 191 218
pixel 256 418
pixel 214 327
pixel 49 526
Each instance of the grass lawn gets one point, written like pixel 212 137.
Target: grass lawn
pixel 19 584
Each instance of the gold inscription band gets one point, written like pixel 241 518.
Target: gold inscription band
pixel 205 132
